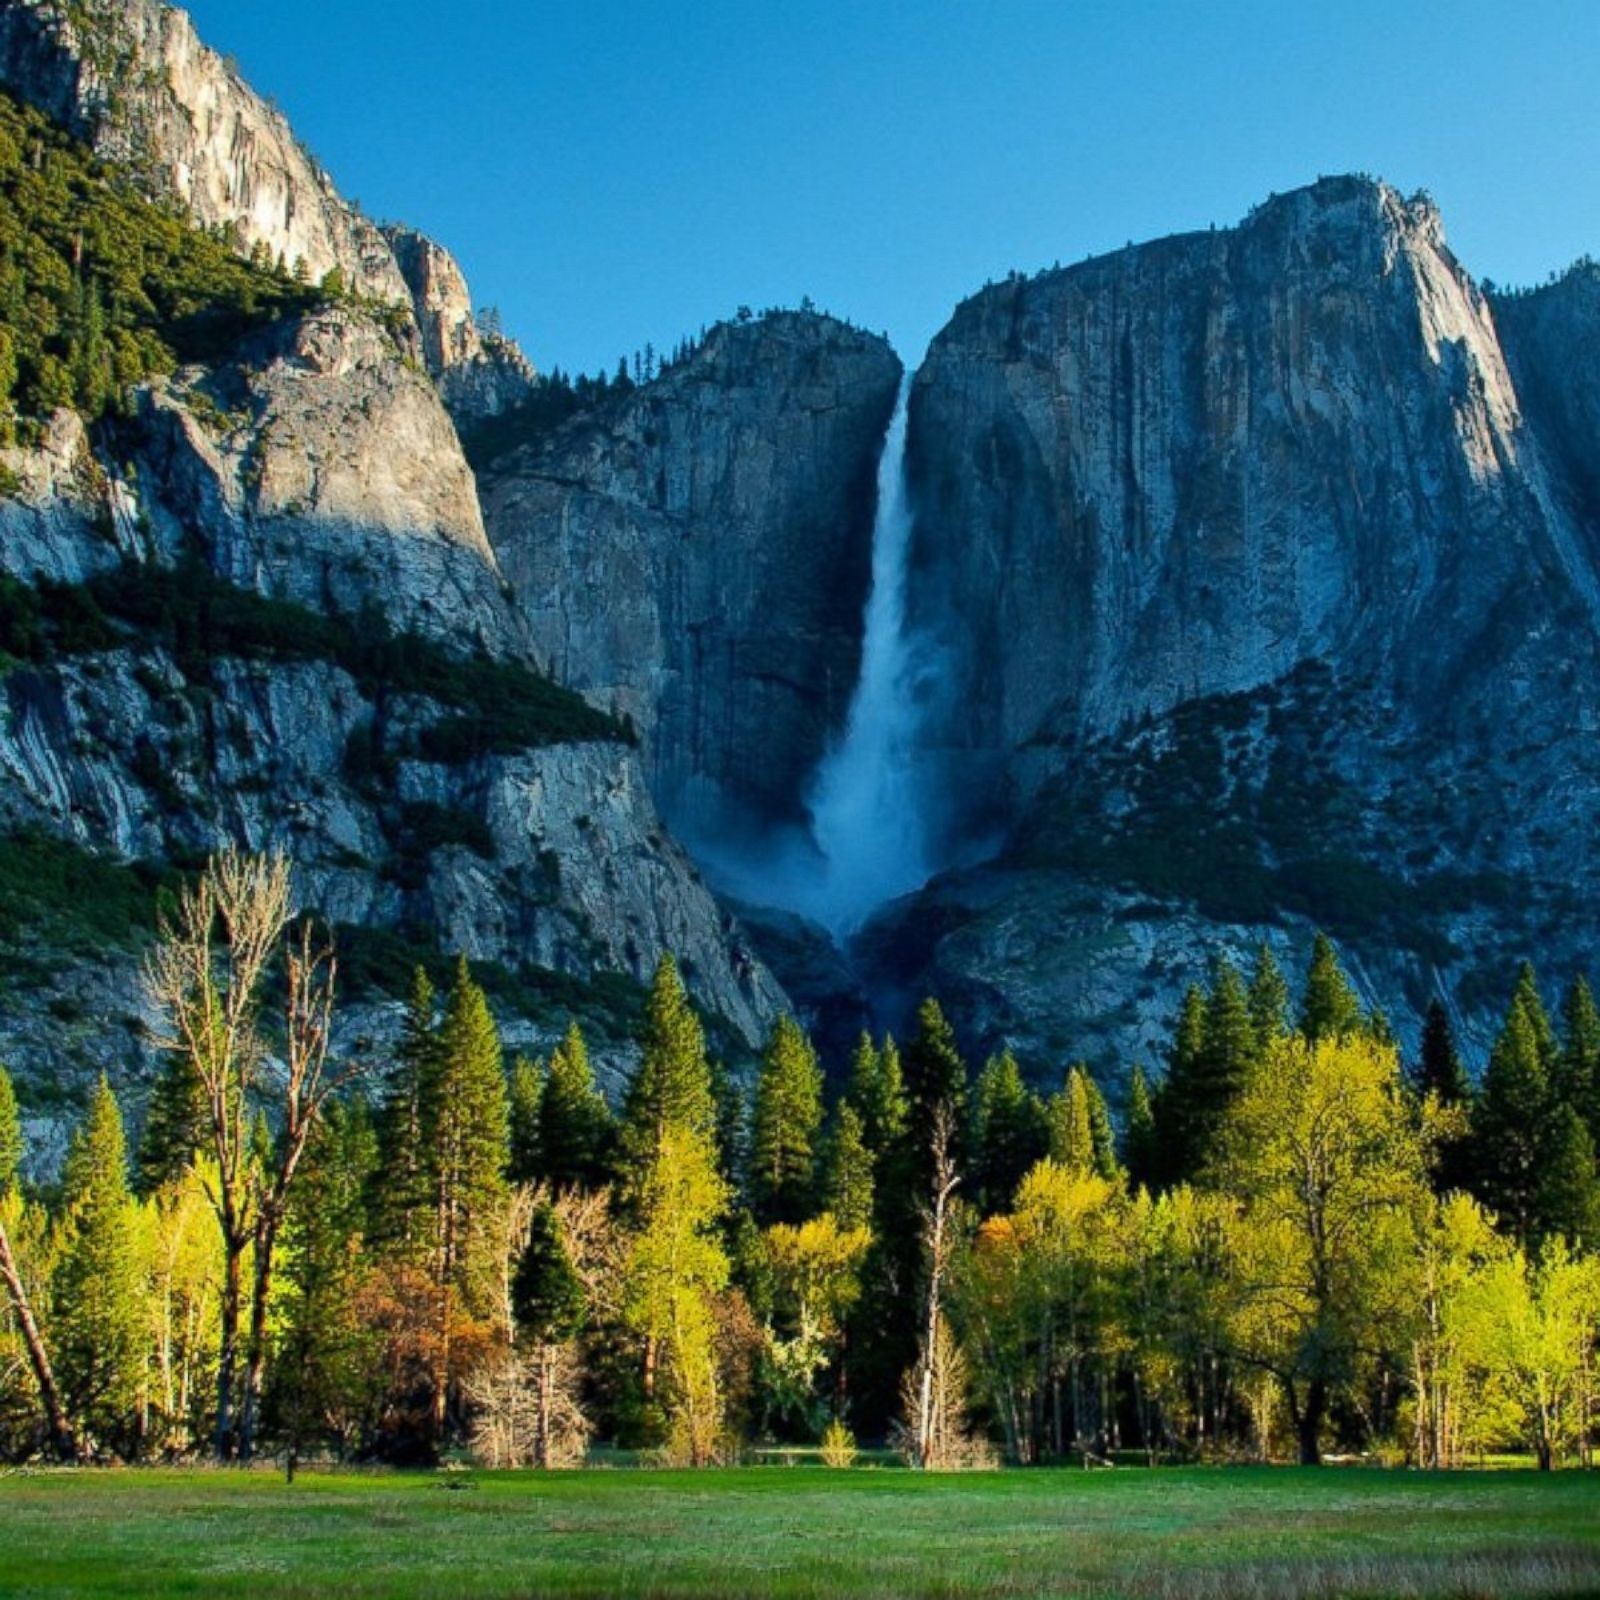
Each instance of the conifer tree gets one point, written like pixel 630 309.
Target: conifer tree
pixel 877 1091
pixel 1441 1074
pixel 1009 1132
pixel 1216 1044
pixel 550 1304
pixel 525 1098
pixel 672 1087
pixel 788 1114
pixel 463 1120
pixel 1269 1000
pixel 935 1076
pixel 1139 1152
pixel 1567 1198
pixel 1508 1122
pixel 847 1184
pixel 175 1124
pixel 62 1437
pixel 98 1325
pixel 1081 1137
pixel 1577 1079
pixel 401 1196
pixel 576 1129
pixel 1180 1091
pixel 1329 1008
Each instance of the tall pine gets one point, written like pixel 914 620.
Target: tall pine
pixel 1329 1007
pixel 788 1116
pixel 577 1131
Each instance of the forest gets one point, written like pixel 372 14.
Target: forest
pixel 1291 1244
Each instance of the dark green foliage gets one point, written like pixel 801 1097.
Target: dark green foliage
pixel 423 826
pixel 175 1124
pixel 673 1084
pixel 935 1075
pixel 525 1102
pixel 1269 999
pixel 787 1119
pixel 71 896
pixel 1140 1152
pixel 10 1134
pixel 1329 1008
pixel 101 289
pixel 847 1181
pixel 1440 1073
pixel 577 1133
pixel 547 1295
pixel 1214 1047
pixel 401 1193
pixel 1009 1131
pixel 1577 1070
pixel 877 1091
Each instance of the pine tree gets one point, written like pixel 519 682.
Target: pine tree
pixel 1081 1137
pixel 1567 1198
pixel 935 1076
pixel 672 1087
pixel 1577 1078
pixel 99 1315
pixel 1507 1122
pixel 525 1106
pixel 1139 1150
pixel 788 1114
pixel 1329 1008
pixel 1009 1132
pixel 1439 1069
pixel 401 1197
pixel 1269 1000
pixel 576 1129
pixel 175 1125
pixel 847 1183
pixel 1215 1047
pixel 547 1295
pixel 463 1120
pixel 877 1091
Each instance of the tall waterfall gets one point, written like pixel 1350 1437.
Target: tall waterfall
pixel 867 815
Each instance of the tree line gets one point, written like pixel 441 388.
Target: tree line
pixel 1294 1243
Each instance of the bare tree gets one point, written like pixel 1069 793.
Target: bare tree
pixel 207 974
pixel 61 1434
pixel 930 1386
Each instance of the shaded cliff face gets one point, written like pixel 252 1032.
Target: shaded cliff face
pixel 320 468
pixel 696 556
pixel 133 79
pixel 1182 469
pixel 1266 560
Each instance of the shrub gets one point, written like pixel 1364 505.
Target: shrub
pixel 838 1445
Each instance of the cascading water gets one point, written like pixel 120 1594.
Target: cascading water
pixel 867 815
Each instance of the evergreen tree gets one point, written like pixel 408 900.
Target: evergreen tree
pixel 1508 1120
pixel 1527 996
pixel 1140 1153
pixel 1009 1133
pixel 464 1124
pixel 1329 1008
pixel 11 1145
pixel 1269 1000
pixel 877 1091
pixel 1215 1046
pixel 1439 1069
pixel 175 1126
pixel 847 1183
pixel 547 1295
pixel 576 1128
pixel 401 1197
pixel 98 1326
pixel 788 1114
pixel 525 1106
pixel 1577 1079
pixel 1081 1138
pixel 935 1076
pixel 672 1087
pixel 1567 1199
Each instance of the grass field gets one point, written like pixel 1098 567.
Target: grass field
pixel 1230 1534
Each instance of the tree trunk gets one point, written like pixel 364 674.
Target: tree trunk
pixel 1309 1423
pixel 256 1348
pixel 61 1435
pixel 541 1434
pixel 228 1347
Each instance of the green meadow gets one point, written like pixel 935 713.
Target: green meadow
pixel 800 1532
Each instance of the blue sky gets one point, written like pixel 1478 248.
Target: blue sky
pixel 611 172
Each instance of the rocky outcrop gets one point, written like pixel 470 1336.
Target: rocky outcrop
pixel 695 555
pixel 133 79
pixel 479 374
pixel 1269 589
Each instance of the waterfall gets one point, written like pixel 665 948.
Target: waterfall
pixel 867 815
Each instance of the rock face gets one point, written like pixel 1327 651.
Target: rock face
pixel 696 555
pixel 1270 591
pixel 480 375
pixel 133 79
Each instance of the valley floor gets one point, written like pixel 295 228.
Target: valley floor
pixel 801 1532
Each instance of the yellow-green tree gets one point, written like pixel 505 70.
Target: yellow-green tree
pixel 1327 1165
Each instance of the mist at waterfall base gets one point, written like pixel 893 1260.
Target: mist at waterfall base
pixel 870 801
